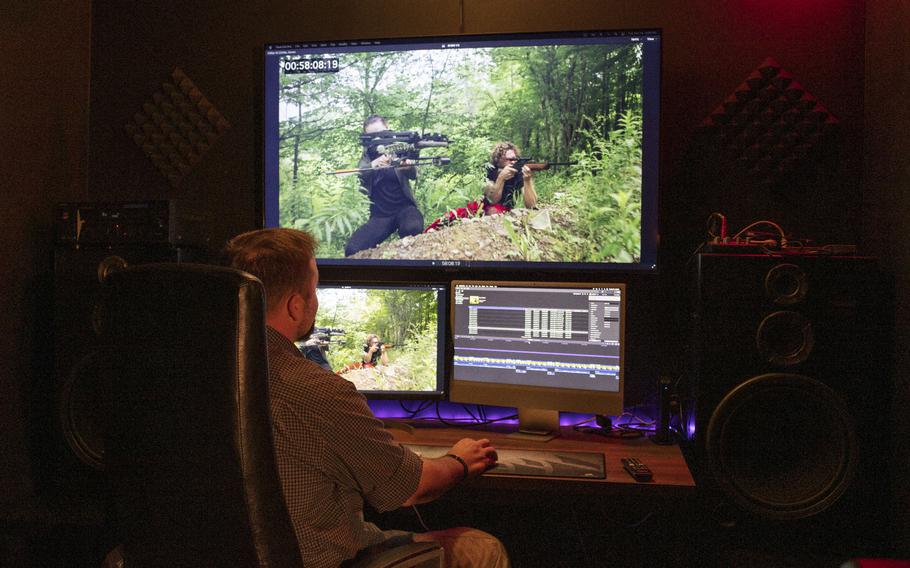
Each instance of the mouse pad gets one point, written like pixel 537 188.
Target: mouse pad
pixel 533 463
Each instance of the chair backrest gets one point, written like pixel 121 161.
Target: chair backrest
pixel 188 446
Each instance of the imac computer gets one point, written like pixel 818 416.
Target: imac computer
pixel 540 347
pixel 386 338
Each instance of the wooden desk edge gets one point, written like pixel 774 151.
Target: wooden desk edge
pixel 666 462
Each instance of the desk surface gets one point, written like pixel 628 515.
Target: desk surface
pixel 666 462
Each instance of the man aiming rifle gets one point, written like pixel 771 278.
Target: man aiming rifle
pixel 314 348
pixel 385 177
pixel 506 175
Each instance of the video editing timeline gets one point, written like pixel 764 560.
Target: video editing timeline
pixel 565 337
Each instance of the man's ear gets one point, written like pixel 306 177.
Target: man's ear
pixel 294 306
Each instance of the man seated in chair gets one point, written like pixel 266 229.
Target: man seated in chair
pixel 332 453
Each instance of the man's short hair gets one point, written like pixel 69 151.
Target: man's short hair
pixel 374 118
pixel 280 257
pixel 500 149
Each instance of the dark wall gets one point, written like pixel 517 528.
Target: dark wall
pixel 887 206
pixel 45 57
pixel 709 48
pixel 54 150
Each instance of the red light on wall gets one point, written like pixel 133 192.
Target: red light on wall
pixel 793 11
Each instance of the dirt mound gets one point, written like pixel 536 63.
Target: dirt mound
pixel 386 377
pixel 520 234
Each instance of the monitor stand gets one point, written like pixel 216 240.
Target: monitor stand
pixel 536 425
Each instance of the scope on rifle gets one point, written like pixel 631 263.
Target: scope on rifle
pixel 402 143
pixel 322 337
pixel 329 330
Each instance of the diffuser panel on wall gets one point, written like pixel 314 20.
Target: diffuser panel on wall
pixel 176 127
pixel 768 126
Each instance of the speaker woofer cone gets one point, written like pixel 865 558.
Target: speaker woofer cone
pixel 80 404
pixel 785 338
pixel 786 284
pixel 782 446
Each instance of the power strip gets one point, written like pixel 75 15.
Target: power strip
pixel 739 246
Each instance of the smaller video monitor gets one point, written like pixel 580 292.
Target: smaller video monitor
pixel 386 338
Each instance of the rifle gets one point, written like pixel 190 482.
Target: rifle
pixel 406 143
pixel 404 147
pixel 398 163
pixel 536 166
pixel 323 336
pixel 517 181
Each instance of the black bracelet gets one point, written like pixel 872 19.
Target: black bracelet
pixel 462 462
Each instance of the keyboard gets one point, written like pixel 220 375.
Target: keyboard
pixel 533 463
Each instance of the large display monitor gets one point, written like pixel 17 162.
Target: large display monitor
pixel 427 186
pixel 387 339
pixel 540 347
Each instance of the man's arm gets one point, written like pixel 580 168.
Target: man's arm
pixel 527 192
pixel 441 474
pixel 367 168
pixel 493 190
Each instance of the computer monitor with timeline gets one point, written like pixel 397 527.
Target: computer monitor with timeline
pixel 542 347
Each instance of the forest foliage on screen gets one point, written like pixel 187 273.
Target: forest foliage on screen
pixel 556 103
pixel 404 320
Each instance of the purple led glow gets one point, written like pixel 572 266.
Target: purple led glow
pixel 456 412
pixel 449 411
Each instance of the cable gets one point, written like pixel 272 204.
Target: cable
pixel 640 522
pixel 420 519
pixel 723 225
pixel 608 429
pixel 783 237
pixel 715 219
pixel 420 408
pixel 473 421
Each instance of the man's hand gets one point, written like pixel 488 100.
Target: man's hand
pixel 381 162
pixel 507 173
pixel 478 454
pixel 526 172
pixel 441 474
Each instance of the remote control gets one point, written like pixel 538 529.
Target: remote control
pixel 638 470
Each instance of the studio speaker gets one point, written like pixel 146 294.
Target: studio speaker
pixel 72 452
pixel 792 391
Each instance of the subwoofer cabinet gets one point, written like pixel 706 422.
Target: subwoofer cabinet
pixel 791 391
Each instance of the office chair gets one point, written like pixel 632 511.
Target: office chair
pixel 188 447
